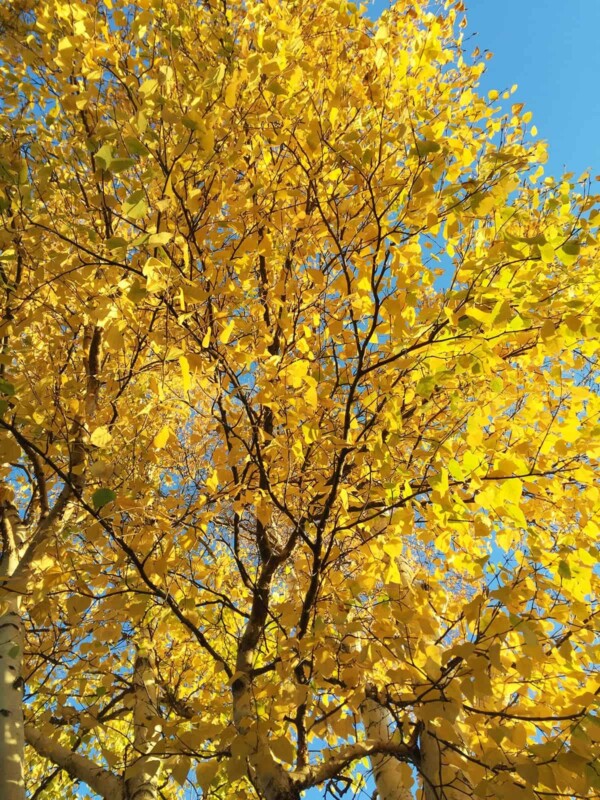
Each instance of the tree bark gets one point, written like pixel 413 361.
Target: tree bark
pixel 20 542
pixel 79 767
pixel 12 742
pixel 440 781
pixel 142 776
pixel 339 759
pixel 268 776
pixel 379 726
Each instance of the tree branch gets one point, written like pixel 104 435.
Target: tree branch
pixel 315 775
pixel 78 767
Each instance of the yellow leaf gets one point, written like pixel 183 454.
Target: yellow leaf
pixel 101 436
pixel 213 482
pixel 162 437
pixel 206 772
pixel 157 239
pixel 283 749
pixel 547 253
pixel 548 331
pixel 185 373
pixel 296 372
pixel 230 95
pixel 311 396
pixel 227 331
pixel 392 573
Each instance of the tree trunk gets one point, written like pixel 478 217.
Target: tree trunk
pixel 440 781
pixel 12 638
pixel 380 724
pixel 19 545
pixel 269 778
pixel 12 741
pixel 142 775
pixel 387 771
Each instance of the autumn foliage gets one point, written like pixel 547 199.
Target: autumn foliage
pixel 299 412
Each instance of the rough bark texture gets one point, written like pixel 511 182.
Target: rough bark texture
pixel 431 767
pixel 440 781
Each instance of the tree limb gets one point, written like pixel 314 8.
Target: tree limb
pixel 77 766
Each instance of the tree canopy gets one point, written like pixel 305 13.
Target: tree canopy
pixel 299 405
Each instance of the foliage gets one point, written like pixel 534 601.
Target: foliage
pixel 299 406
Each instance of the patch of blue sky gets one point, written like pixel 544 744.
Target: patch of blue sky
pixel 549 49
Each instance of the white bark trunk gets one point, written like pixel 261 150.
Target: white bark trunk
pixel 431 767
pixel 440 781
pixel 387 772
pixel 270 779
pixel 142 776
pixel 12 743
pixel 12 637
pixel 79 767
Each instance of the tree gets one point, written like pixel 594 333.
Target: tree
pixel 299 416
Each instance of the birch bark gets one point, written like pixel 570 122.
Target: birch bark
pixel 379 726
pixel 12 742
pixel 142 777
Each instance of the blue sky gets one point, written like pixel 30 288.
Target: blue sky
pixel 551 49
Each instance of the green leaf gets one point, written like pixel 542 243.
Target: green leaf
pixel 137 293
pixel 135 146
pixel 426 386
pixel 115 242
pixel 564 570
pixel 135 206
pixel 276 88
pixel 103 496
pixel 104 156
pixel 121 164
pixel 425 147
pixel 6 387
